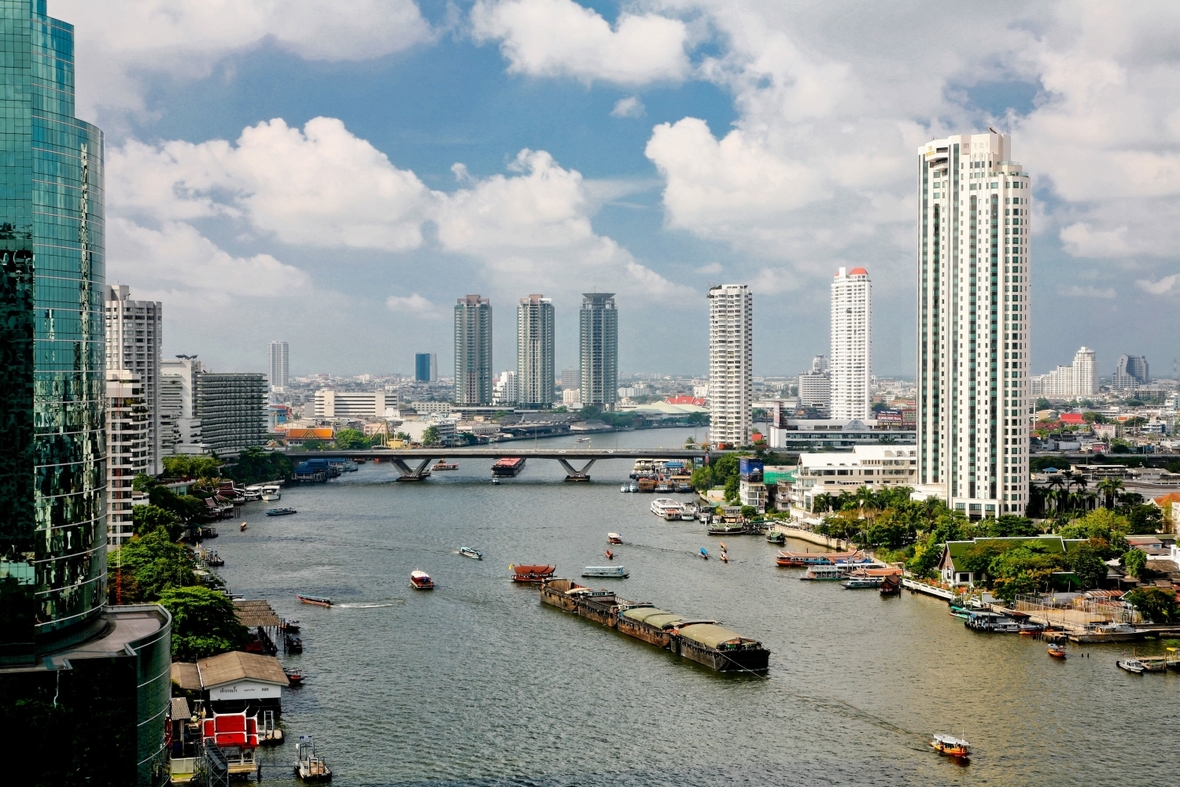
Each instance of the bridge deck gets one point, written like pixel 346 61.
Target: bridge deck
pixel 504 451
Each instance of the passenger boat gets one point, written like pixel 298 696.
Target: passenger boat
pixel 614 538
pixel 666 507
pixel 891 585
pixel 443 464
pixel 1057 651
pixel 862 583
pixel 1132 665
pixel 951 746
pixel 776 537
pixel 420 580
pixel 804 559
pixel 533 574
pixel 824 573
pixel 730 529
pixel 319 601
pixel 281 511
pixel 471 552
pixel 704 553
pixel 1030 629
pixel 606 572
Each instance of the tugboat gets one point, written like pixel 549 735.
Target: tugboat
pixel 420 580
pixel 951 746
pixel 308 767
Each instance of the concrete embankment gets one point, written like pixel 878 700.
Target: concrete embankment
pixel 798 534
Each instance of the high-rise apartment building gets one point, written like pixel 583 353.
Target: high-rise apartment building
pixel 135 331
pixel 1068 382
pixel 473 350
pixel 570 378
pixel 206 412
pixel 279 372
pixel 535 365
pixel 63 654
pixel 425 367
pixel 504 390
pixel 973 288
pixel 1130 373
pixel 731 354
pixel 127 449
pixel 598 350
pixel 815 391
pixel 852 344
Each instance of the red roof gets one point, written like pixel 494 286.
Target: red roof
pixel 685 399
pixel 858 272
pixel 1072 418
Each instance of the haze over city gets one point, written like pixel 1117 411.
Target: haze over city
pixel 337 175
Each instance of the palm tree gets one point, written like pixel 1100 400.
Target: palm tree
pixel 1109 487
pixel 1056 484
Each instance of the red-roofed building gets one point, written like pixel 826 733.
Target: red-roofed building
pixel 1072 419
pixel 686 399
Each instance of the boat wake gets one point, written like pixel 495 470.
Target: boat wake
pixel 395 602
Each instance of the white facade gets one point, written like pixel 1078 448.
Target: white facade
pixel 731 352
pixel 535 371
pixel 349 404
pixel 127 449
pixel 572 397
pixel 135 331
pixel 279 352
pixel 974 205
pixel 815 390
pixel 1069 382
pixel 852 342
pixel 504 389
pixel 179 423
pixel 874 466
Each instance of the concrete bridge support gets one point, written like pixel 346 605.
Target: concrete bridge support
pixel 420 473
pixel 576 475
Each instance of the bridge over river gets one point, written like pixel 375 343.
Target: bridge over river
pixel 414 463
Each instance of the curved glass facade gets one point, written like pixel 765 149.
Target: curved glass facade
pixel 52 542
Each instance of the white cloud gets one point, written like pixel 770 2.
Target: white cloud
pixel 559 38
pixel 629 107
pixel 414 304
pixel 119 41
pixel 1164 286
pixel 1086 291
pixel 319 186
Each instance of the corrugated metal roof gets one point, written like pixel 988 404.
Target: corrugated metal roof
pixel 186 676
pixel 710 635
pixel 641 614
pixel 236 665
pixel 251 613
pixel 180 709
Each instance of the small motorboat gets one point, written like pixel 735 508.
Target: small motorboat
pixel 294 676
pixel 291 626
pixel 724 557
pixel 1132 665
pixel 951 746
pixel 1057 651
pixel 723 547
pixel 614 538
pixel 606 572
pixel 308 767
pixel 496 481
pixel 633 488
pixel 610 555
pixel 280 511
pixel 624 488
pixel 242 527
pixel 319 601
pixel 776 537
pixel 471 552
pixel 420 580
pixel 704 553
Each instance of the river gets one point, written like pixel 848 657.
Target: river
pixel 478 683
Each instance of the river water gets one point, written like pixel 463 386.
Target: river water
pixel 478 683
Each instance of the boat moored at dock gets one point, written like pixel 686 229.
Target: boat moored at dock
pixel 821 573
pixel 803 559
pixel 666 508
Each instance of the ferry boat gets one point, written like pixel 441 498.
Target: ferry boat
pixel 471 552
pixel 606 572
pixel 508 467
pixel 666 507
pixel 532 573
pixel 821 573
pixel 319 601
pixel 614 538
pixel 729 529
pixel 420 580
pixel 862 583
pixel 443 464
pixel 776 537
pixel 281 512
pixel 804 559
pixel 951 746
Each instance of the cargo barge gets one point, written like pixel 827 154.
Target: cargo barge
pixel 702 641
pixel 508 468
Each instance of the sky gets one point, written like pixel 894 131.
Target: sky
pixel 336 174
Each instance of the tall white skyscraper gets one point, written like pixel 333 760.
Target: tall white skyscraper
pixel 731 353
pixel 973 324
pixel 1085 372
pixel 852 342
pixel 135 331
pixel 535 364
pixel 1068 382
pixel 473 350
pixel 127 437
pixel 278 366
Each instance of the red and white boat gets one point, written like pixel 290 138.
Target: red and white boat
pixel 420 580
pixel 614 538
pixel 532 573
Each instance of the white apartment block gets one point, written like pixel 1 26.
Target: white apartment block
pixel 330 403
pixel 504 389
pixel 874 466
pixel 135 332
pixel 127 449
pixel 731 353
pixel 279 373
pixel 974 205
pixel 1068 382
pixel 535 372
pixel 815 390
pixel 179 423
pixel 852 342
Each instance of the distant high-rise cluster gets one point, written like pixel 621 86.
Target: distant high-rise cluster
pixel 599 349
pixel 473 350
pixel 973 324
pixel 1078 379
pixel 852 341
pixel 279 373
pixel 535 326
pixel 731 350
pixel 1130 373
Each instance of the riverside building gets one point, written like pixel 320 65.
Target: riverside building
pixel 222 413
pixel 599 350
pixel 731 351
pixel 84 687
pixel 279 373
pixel 852 342
pixel 135 331
pixel 973 289
pixel 473 351
pixel 127 449
pixel 535 368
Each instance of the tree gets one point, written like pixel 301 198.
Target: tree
pixel 184 466
pixel 1145 520
pixel 1135 560
pixel 430 436
pixel 148 565
pixel 1009 525
pixel 749 512
pixel 256 465
pixel 1086 563
pixel 732 486
pixel 351 440
pixel 1157 604
pixel 1109 488
pixel 147 519
pixel 313 445
pixel 203 623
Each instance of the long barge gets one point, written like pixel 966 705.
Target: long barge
pixel 508 467
pixel 702 641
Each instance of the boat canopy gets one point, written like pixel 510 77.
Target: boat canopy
pixel 538 569
pixel 711 635
pixel 641 614
pixel 667 620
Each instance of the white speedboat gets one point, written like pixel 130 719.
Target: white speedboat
pixel 624 488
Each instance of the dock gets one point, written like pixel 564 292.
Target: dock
pixel 930 590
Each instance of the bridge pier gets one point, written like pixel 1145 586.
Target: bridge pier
pixel 576 475
pixel 420 473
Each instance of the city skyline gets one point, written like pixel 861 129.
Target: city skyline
pixel 630 167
